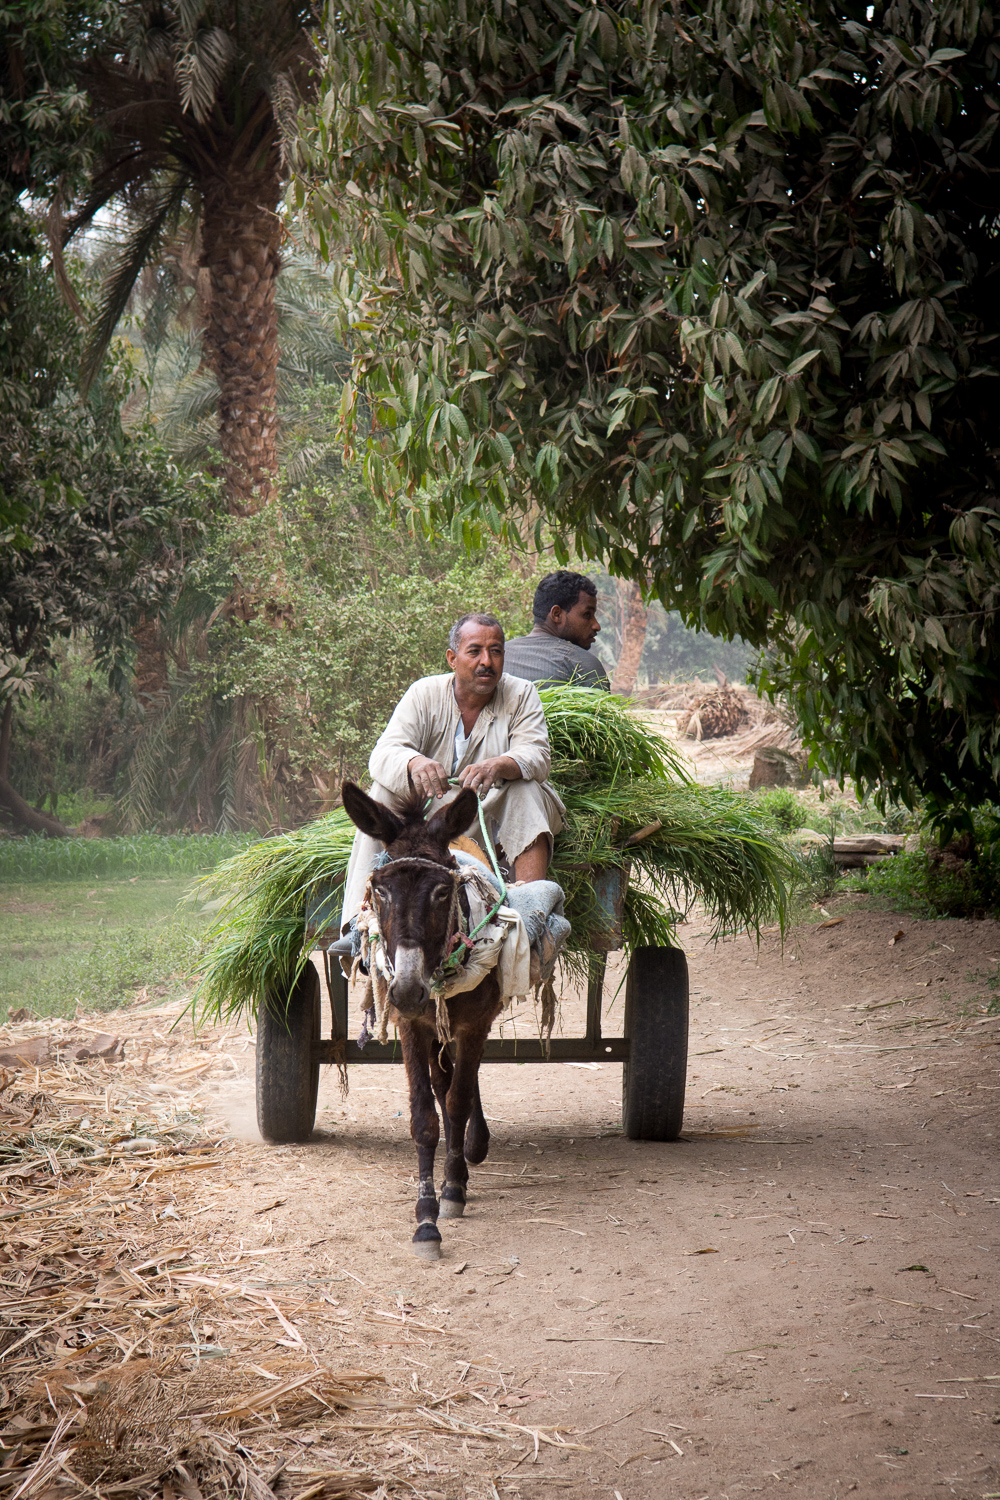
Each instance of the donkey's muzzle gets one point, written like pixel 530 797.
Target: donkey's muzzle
pixel 410 990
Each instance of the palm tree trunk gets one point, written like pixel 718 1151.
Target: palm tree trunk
pixel 240 237
pixel 152 679
pixel 633 640
pixel 22 812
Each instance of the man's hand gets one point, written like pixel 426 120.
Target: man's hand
pixel 428 776
pixel 486 773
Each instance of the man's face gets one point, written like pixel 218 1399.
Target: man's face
pixel 578 624
pixel 478 662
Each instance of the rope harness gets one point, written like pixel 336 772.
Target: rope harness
pixel 457 945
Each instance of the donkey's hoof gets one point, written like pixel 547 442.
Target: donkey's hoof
pixel 452 1201
pixel 427 1249
pixel 477 1143
pixel 427 1242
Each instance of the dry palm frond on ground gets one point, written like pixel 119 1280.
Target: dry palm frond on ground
pixel 617 778
pixel 690 711
pixel 135 1360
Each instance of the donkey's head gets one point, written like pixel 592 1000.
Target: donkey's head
pixel 413 893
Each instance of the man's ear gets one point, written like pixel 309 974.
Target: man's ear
pixel 373 818
pixel 454 819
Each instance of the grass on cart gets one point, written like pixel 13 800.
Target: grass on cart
pixel 617 778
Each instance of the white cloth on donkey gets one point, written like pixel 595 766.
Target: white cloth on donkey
pixel 521 941
pixel 503 944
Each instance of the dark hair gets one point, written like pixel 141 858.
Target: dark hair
pixel 455 632
pixel 562 589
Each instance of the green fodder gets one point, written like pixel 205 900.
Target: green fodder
pixel 596 737
pixel 709 848
pixel 254 944
pixel 616 778
pixel 40 858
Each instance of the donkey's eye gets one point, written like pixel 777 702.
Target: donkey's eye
pixel 442 893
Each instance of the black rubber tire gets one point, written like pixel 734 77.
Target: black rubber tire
pixel 656 1021
pixel 288 1062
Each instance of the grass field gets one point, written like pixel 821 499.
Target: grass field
pixel 93 944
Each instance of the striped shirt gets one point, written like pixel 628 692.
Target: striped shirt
pixel 548 658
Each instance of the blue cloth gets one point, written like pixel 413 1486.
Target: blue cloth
pixel 540 905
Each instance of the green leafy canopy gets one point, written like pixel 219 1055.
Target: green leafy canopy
pixel 710 288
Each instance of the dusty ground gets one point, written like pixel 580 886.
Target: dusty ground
pixel 802 1294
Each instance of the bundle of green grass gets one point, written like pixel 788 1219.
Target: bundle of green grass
pixel 618 779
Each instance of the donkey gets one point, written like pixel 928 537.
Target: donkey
pixel 413 896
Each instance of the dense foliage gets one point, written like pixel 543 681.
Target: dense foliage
pixel 43 113
pixel 189 101
pixel 102 520
pixel 44 153
pixel 70 738
pixel 712 287
pixel 271 708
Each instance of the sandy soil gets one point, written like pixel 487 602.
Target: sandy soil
pixel 801 1294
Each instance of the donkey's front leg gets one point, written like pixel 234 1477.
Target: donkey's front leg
pixel 442 1072
pixel 417 1041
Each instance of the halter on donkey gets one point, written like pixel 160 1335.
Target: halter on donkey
pixel 416 898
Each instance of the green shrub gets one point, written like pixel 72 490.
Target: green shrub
pixel 915 882
pixel 780 809
pixel 930 882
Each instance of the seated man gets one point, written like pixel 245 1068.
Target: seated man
pixel 558 648
pixel 482 727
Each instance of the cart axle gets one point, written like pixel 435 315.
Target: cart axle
pixel 509 1050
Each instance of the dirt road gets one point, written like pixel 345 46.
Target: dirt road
pixel 800 1296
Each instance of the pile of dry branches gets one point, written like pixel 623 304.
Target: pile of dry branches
pixel 133 1365
pixel 700 711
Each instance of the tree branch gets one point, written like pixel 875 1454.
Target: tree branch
pixel 23 813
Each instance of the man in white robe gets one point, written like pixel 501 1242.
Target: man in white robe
pixel 483 728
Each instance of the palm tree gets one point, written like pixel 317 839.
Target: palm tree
pixel 192 101
pixel 182 395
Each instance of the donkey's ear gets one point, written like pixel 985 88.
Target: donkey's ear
pixel 454 819
pixel 373 818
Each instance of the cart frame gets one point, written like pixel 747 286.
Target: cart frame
pixel 592 1047
pixel 291 1046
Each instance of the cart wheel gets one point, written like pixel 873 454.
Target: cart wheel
pixel 656 1022
pixel 287 1062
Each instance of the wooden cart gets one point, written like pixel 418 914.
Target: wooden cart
pixel 293 1043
